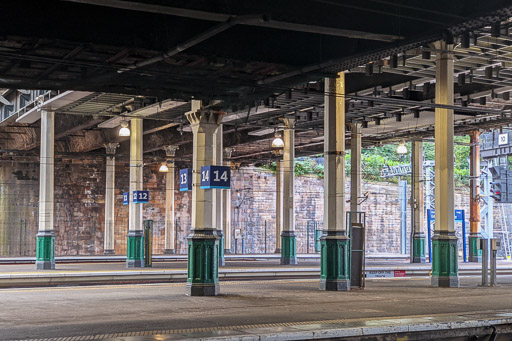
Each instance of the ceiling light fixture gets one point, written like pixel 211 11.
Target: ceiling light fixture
pixel 124 131
pixel 278 142
pixel 164 168
pixel 401 149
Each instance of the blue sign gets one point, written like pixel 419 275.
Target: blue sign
pixel 140 197
pixel 126 198
pixel 185 179
pixel 459 215
pixel 215 177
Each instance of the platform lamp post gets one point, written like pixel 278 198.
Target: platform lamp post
pixel 170 153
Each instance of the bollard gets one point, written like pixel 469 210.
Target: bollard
pixel 485 261
pixel 495 243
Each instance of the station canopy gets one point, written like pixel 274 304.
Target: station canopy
pixel 97 62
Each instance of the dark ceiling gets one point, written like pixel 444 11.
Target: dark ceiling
pixel 259 50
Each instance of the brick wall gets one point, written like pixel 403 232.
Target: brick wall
pixel 79 209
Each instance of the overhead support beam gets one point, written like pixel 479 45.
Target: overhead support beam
pixel 444 242
pixel 221 17
pixel 335 245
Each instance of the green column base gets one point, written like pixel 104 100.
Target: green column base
pixel 45 250
pixel 289 248
pixel 135 249
pixel 335 261
pixel 445 261
pixel 475 254
pixel 203 266
pixel 418 248
pixel 222 260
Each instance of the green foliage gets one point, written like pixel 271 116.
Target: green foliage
pixel 376 158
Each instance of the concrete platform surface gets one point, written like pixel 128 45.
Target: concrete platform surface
pixel 251 310
pixel 25 275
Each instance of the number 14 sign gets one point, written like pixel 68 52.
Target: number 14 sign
pixel 215 177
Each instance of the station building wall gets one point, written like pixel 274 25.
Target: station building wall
pixel 79 209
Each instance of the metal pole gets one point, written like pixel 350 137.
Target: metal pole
pixel 493 263
pixel 265 237
pixel 307 237
pixel 464 251
pixel 429 236
pixel 485 261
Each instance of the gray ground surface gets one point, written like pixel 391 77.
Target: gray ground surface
pixel 68 311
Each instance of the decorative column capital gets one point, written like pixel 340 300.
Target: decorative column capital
pixel 289 122
pixel 170 150
pixel 111 147
pixel 205 120
pixel 228 151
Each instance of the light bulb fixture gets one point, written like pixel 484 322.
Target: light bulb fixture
pixel 124 131
pixel 278 142
pixel 401 149
pixel 164 168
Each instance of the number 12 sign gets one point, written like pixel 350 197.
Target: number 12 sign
pixel 140 197
pixel 215 177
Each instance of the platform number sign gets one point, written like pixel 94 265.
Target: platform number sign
pixel 140 197
pixel 185 179
pixel 502 139
pixel 215 177
pixel 126 198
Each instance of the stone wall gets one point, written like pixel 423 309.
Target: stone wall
pixel 79 209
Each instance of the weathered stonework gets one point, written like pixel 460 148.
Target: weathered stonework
pixel 79 210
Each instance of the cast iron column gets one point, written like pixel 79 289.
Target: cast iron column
pixel 170 229
pixel 444 242
pixel 417 205
pixel 226 207
pixel 288 237
pixel 203 243
pixel 110 175
pixel 475 254
pixel 45 249
pixel 279 204
pixel 335 252
pixel 217 194
pixel 135 245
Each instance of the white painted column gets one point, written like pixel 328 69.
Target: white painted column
pixel 135 250
pixel 110 174
pixel 417 252
pixel 444 244
pixel 279 204
pixel 226 208
pixel 170 228
pixel 288 240
pixel 202 279
pixel 45 255
pixel 335 253
pixel 355 169
pixel 217 193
